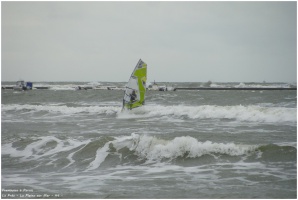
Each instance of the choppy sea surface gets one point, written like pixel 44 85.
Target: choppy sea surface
pixel 63 143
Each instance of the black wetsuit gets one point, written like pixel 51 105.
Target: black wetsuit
pixel 133 96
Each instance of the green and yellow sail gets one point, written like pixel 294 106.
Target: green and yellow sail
pixel 134 95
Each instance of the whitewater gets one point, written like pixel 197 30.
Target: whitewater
pixel 63 143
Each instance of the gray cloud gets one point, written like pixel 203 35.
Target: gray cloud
pixel 180 41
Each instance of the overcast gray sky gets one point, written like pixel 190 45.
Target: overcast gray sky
pixel 179 41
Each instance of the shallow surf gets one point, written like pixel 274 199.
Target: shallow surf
pixel 183 144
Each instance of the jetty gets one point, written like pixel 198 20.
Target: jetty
pixel 240 88
pixel 11 87
pixel 171 89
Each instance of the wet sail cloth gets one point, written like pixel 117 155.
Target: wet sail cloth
pixel 135 90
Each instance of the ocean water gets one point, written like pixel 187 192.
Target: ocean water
pixel 62 143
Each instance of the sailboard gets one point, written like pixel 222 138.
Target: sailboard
pixel 134 95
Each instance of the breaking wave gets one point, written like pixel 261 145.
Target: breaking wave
pixel 62 109
pixel 153 148
pixel 90 154
pixel 241 113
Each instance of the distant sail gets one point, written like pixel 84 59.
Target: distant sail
pixel 135 91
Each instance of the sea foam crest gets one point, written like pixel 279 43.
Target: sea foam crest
pixel 62 108
pixel 41 147
pixel 153 149
pixel 250 113
pixel 146 148
pixel 239 112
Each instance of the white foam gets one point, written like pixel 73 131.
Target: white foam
pixel 291 144
pixel 101 155
pixel 153 148
pixel 38 149
pixel 65 86
pixel 241 113
pixel 149 148
pixel 251 113
pixel 62 108
pixel 263 85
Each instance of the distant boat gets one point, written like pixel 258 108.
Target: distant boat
pixel 156 87
pixel 80 88
pixel 22 85
pixel 134 95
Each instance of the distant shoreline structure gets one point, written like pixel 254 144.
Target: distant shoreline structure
pixel 160 86
pixel 225 88
pixel 184 88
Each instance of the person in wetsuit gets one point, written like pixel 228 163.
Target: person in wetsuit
pixel 133 96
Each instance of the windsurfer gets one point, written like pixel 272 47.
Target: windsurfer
pixel 133 96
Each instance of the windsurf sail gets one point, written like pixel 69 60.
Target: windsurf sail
pixel 134 95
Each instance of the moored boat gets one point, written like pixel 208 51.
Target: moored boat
pixel 22 85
